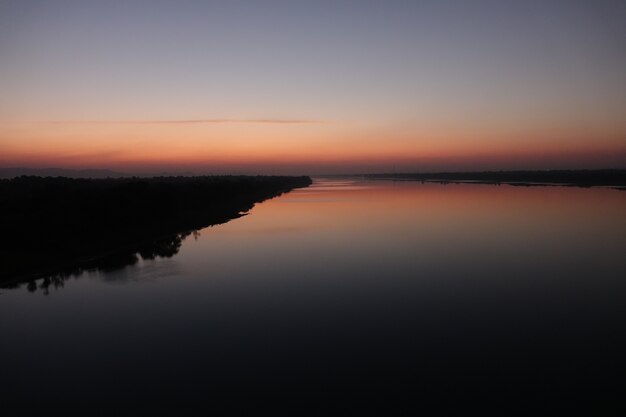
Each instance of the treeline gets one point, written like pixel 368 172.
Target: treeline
pixel 580 178
pixel 53 224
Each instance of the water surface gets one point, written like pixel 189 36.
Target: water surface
pixel 464 292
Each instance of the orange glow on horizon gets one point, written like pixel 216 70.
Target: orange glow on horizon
pixel 284 144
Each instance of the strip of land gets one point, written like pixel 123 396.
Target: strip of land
pixel 58 225
pixel 615 178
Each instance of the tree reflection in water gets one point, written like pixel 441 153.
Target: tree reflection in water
pixel 165 247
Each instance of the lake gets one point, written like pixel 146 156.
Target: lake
pixel 474 296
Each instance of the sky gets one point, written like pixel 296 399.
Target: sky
pixel 319 87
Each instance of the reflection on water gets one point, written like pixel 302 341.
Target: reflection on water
pixel 109 267
pixel 493 295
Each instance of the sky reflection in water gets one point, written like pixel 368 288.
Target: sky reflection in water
pixel 348 282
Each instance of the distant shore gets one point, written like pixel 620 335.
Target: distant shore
pixel 61 226
pixel 614 178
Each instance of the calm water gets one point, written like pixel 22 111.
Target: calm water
pixel 457 291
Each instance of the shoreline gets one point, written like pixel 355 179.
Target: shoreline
pixel 610 178
pixel 58 227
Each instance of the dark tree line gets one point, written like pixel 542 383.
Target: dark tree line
pixel 580 178
pixel 55 224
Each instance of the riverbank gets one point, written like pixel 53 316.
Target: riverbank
pixel 61 225
pixel 615 178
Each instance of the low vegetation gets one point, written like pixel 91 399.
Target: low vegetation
pixel 54 224
pixel 580 178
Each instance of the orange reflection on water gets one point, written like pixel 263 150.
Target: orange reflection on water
pixel 375 218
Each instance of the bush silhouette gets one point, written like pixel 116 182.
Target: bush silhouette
pixel 50 225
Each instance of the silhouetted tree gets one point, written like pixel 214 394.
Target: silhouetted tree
pixel 56 227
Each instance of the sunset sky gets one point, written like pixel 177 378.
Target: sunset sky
pixel 313 87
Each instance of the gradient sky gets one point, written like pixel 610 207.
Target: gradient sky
pixel 313 87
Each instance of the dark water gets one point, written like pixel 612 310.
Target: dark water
pixel 486 299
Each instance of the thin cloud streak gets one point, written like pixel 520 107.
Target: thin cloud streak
pixel 179 122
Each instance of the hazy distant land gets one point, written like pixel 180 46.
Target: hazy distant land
pixel 14 172
pixel 615 178
pixel 62 225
